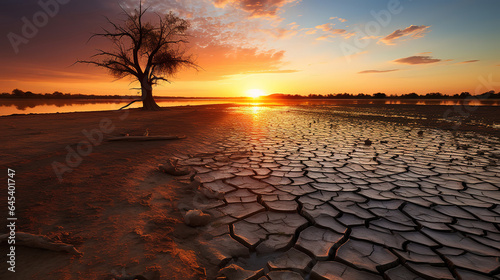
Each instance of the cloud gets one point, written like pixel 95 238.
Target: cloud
pixel 377 71
pixel 468 61
pixel 328 27
pixel 419 59
pixel 280 33
pixel 413 31
pixel 331 32
pixel 293 25
pixel 256 8
pixel 311 31
pixel 339 19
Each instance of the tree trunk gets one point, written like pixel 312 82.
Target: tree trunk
pixel 148 102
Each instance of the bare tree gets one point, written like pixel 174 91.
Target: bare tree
pixel 145 51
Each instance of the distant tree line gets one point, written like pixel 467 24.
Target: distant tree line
pixel 381 95
pixel 17 93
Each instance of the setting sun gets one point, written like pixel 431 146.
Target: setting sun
pixel 255 93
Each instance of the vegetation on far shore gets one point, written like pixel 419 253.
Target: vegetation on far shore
pixel 19 94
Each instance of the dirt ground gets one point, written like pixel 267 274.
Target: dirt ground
pixel 114 205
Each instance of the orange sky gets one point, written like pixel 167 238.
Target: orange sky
pixel 277 46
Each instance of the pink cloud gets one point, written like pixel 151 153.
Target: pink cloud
pixel 328 27
pixel 256 8
pixel 413 31
pixel 377 71
pixel 468 61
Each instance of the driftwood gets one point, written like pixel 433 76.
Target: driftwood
pixel 146 138
pixel 42 242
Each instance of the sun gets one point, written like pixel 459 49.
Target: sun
pixel 255 93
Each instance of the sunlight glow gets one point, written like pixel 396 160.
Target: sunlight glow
pixel 255 93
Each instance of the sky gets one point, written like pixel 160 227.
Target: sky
pixel 275 46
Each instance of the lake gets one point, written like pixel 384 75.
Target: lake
pixel 45 106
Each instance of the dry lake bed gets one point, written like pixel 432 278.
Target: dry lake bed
pixel 309 194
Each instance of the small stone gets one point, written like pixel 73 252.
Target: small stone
pixel 196 218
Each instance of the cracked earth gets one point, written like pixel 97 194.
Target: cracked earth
pixel 301 194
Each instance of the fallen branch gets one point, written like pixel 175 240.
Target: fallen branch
pixel 146 138
pixel 42 242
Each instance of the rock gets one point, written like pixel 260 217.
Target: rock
pixel 208 193
pixel 368 142
pixel 196 218
pixel 172 168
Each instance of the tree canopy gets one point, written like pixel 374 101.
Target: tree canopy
pixel 146 51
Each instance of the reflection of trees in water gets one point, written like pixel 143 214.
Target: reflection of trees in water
pixel 22 105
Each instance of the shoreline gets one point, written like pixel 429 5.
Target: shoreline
pixel 426 115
